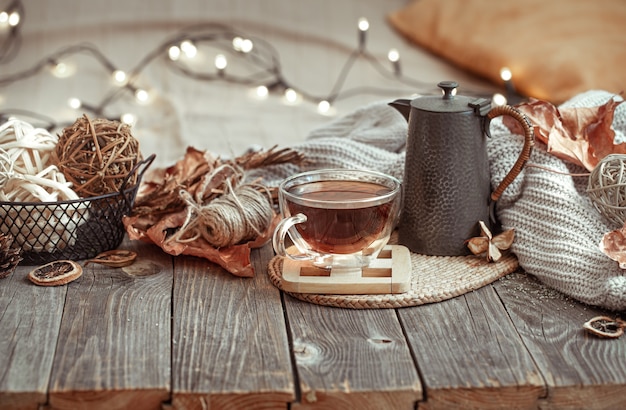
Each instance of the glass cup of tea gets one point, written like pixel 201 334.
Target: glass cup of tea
pixel 337 218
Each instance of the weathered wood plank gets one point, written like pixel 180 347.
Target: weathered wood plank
pixel 114 342
pixel 230 346
pixel 470 355
pixel 580 370
pixel 351 358
pixel 29 325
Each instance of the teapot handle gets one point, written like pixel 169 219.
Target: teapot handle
pixel 529 142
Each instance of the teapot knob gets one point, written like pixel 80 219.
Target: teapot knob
pixel 449 89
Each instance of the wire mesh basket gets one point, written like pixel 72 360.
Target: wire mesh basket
pixel 76 229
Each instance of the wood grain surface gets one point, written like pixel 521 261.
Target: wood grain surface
pixel 181 333
pixel 579 369
pixel 350 358
pixel 230 347
pixel 114 343
pixel 470 354
pixel 30 317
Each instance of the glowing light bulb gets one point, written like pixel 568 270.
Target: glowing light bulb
pixel 174 53
pixel 119 77
pixel 393 55
pixel 142 96
pixel 221 62
pixel 63 70
pixel 243 45
pixel 189 49
pixel 262 92
pixel 14 19
pixel 4 17
pixel 505 74
pixel 291 96
pixel 74 103
pixel 364 25
pixel 323 107
pixel 247 45
pixel 129 118
pixel 498 99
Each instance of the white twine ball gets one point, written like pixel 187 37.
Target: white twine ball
pixel 607 188
pixel 27 174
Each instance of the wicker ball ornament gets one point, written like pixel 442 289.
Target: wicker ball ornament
pixel 607 188
pixel 97 156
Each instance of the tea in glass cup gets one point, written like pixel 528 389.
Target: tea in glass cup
pixel 337 218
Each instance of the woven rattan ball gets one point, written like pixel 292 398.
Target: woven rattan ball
pixel 97 156
pixel 607 188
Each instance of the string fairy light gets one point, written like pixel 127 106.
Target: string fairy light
pixel 511 96
pixel 129 118
pixel 74 103
pixel 363 25
pixel 142 96
pixel 62 69
pixel 498 99
pixel 260 60
pixel 261 92
pixel 11 18
pixel 394 56
pixel 119 78
pixel 174 53
pixel 188 48
pixel 221 63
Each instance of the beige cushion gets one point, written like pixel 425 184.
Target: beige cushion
pixel 554 48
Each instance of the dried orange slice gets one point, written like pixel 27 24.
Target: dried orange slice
pixel 116 258
pixel 55 273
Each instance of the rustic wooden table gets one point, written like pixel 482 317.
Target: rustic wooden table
pixel 181 333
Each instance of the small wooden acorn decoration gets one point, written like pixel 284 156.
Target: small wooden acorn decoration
pixel 97 155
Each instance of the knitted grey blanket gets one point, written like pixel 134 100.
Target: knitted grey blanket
pixel 556 226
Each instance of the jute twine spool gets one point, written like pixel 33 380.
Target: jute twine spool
pixel 607 188
pixel 239 215
pixel 97 155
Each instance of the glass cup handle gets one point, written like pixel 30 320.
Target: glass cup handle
pixel 280 233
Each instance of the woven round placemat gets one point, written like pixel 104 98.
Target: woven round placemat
pixel 433 279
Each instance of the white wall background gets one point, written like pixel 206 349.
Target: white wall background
pixel 313 40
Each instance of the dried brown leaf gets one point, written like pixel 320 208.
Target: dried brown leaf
pixel 160 211
pixel 273 156
pixel 613 245
pixel 581 135
pixel 159 191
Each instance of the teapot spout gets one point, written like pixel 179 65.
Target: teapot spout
pixel 403 106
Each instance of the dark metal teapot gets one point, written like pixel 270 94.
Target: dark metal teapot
pixel 447 187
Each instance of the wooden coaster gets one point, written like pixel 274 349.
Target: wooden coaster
pixel 389 273
pixel 433 279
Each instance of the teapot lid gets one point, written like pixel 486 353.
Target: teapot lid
pixel 450 102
